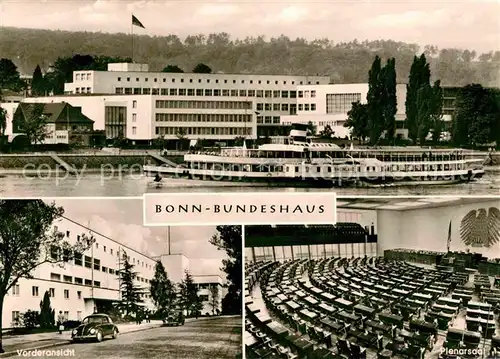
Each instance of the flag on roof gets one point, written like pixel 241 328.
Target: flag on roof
pixel 136 22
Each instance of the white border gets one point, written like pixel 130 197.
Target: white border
pixel 333 195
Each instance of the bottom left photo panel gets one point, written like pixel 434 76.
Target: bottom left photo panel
pixel 85 278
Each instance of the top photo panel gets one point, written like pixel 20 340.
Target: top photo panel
pixel 122 98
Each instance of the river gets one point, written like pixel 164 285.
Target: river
pixel 95 185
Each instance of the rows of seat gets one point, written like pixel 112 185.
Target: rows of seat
pixel 336 307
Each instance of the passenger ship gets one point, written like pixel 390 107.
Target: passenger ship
pixel 299 160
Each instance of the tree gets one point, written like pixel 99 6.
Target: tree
pixel 311 129
pixel 214 298
pixel 189 293
pixel 3 121
pixel 130 293
pixel 357 120
pixel 375 102
pixel 476 119
pixel 28 239
pixel 197 307
pixel 436 111
pixel 389 98
pixel 33 124
pixel 47 314
pixel 162 291
pixel 9 76
pixel 327 132
pixel 202 69
pixel 229 239
pixel 172 69
pixel 416 101
pixel 38 82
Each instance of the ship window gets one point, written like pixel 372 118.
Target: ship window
pixel 318 169
pixel 329 169
pixel 307 169
pixel 296 168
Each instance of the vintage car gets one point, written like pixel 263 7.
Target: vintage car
pixel 95 326
pixel 175 318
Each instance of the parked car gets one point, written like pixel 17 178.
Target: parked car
pixel 95 326
pixel 175 318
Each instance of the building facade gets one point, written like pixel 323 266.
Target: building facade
pixel 82 285
pixel 329 104
pixel 176 265
pixel 272 95
pixel 63 123
pixel 88 283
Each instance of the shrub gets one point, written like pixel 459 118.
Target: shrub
pixel 31 319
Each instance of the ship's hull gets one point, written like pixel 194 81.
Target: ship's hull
pixel 278 180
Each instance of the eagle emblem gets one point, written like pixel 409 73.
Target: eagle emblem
pixel 481 227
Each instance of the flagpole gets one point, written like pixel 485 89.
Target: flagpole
pixel 132 30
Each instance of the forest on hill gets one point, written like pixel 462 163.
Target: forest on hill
pixel 343 62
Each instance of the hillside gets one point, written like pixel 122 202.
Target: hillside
pixel 344 62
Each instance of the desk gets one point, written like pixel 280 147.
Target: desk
pixel 363 309
pixel 347 317
pixel 478 313
pixel 282 297
pixel 311 300
pixel 292 305
pixel 478 305
pixel 300 294
pixel 250 340
pixel 327 308
pixel 278 329
pixel 448 301
pixel 421 296
pixel 308 314
pixel 329 297
pixel 301 344
pixel 343 303
pixel 263 318
pixel 253 308
pixel 316 290
pixel 334 326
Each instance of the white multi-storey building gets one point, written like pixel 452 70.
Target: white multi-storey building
pixel 272 96
pixel 90 282
pixel 79 286
pixel 329 104
pixel 176 266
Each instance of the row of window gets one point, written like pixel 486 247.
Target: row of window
pixel 56 252
pixel 83 90
pixel 35 291
pixel 341 102
pixel 192 117
pixel 86 261
pixel 202 92
pixel 268 119
pixel 235 131
pixel 307 107
pixel 317 251
pixel 83 76
pixel 307 94
pixel 221 105
pixel 268 82
pixel 17 314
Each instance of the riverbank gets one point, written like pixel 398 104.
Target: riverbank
pixel 121 161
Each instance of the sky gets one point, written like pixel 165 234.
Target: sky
pixel 467 24
pixel 122 221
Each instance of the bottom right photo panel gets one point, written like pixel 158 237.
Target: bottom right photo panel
pixel 391 278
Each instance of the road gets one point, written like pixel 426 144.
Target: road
pixel 218 337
